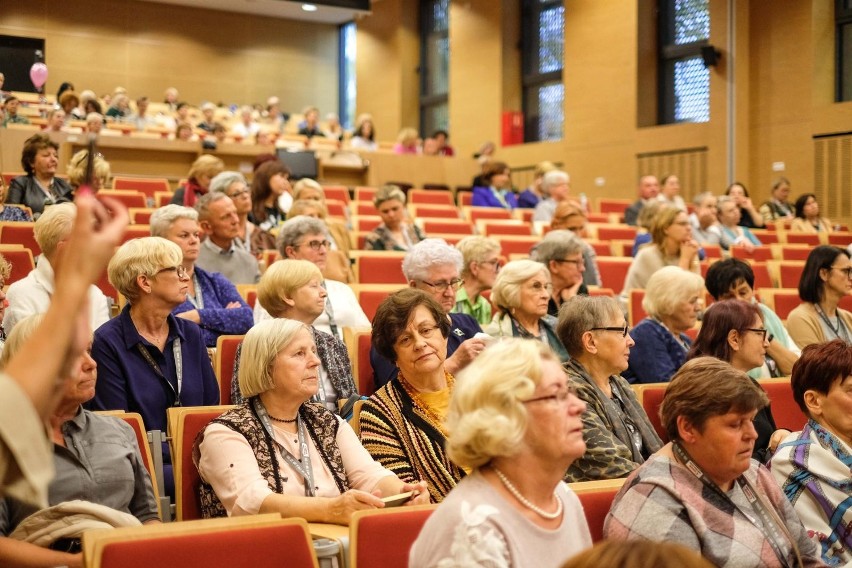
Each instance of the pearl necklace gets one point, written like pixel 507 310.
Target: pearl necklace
pixel 526 502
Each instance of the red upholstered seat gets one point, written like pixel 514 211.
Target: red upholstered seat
pixel 226 354
pixel 613 271
pixel 370 546
pixel 19 233
pixel 596 506
pixel 785 411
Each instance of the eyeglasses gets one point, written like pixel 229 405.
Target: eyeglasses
pixel 238 193
pixel 406 340
pixel 455 284
pixel 539 286
pixel 180 270
pixel 315 245
pixel 622 330
pixel 576 263
pixel 847 270
pixel 758 330
pixel 560 396
pixel 495 263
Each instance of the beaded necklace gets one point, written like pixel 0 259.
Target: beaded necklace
pixel 526 502
pixel 422 406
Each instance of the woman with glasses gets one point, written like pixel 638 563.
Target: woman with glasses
pixel 619 437
pixel 148 359
pixel 396 231
pixel 521 294
pixel 671 245
pixel 481 265
pixel 402 424
pixel 825 280
pixel 673 300
pixel 212 301
pixel 515 423
pixel 434 267
pixel 733 331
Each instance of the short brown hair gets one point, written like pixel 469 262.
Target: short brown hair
pixel 664 219
pixel 33 146
pixel 819 367
pixel 492 169
pixel 393 315
pixel 707 387
pixel 637 554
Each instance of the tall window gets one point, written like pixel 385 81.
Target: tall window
pixel 346 89
pixel 684 79
pixel 843 21
pixel 542 46
pixel 434 65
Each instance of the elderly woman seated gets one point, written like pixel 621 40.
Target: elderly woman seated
pixel 673 299
pixel 40 187
pixel 515 424
pixel 78 169
pixel 248 456
pixel 201 173
pixel 733 331
pixel 619 437
pixel 96 459
pixel 292 289
pixel 309 190
pixel 562 253
pixel 148 359
pixel 396 231
pixel 812 465
pixel 481 266
pixel 702 489
pixel 497 188
pixel 521 293
pixel 434 267
pixel 306 238
pixel 402 424
pixel 211 300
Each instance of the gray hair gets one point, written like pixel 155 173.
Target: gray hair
pixel 699 199
pixel 551 178
pixel 580 314
pixel 294 229
pixel 221 182
pixel 669 286
pixel 428 253
pixel 387 193
pixel 162 218
pixel 476 249
pixel 94 116
pixel 556 245
pixel 721 200
pixel 506 293
pixel 205 201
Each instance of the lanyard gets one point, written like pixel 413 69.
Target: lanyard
pixel 198 300
pixel 772 527
pixel 159 372
pixel 302 466
pixel 329 310
pixel 841 327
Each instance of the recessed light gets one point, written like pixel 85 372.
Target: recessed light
pixel 309 7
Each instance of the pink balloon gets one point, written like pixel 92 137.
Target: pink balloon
pixel 38 74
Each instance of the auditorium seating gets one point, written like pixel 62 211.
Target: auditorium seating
pixel 19 233
pixel 378 267
pixel 785 411
pixel 840 239
pixel 458 227
pixel 782 301
pixel 651 397
pixel 762 253
pixel 474 214
pixel 596 498
pixel 767 237
pixel 788 272
pixel 811 239
pixel 635 311
pixel 148 186
pixel 337 192
pixel 494 227
pixel 613 271
pixel 358 346
pixel 608 205
pixel 129 198
pixel 370 529
pixel 223 364
pixel 21 260
pixel 431 196
pixel 371 295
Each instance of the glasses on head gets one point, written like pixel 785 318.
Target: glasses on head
pixel 761 331
pixel 847 270
pixel 315 245
pixel 560 396
pixel 406 340
pixel 455 284
pixel 576 263
pixel 622 330
pixel 180 270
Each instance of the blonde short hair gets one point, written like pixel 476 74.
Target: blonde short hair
pixel 76 169
pixel 163 218
pixel 299 207
pixel 669 286
pixel 19 335
pixel 206 164
pixel 476 249
pixel 506 293
pixel 144 256
pixel 261 346
pixel 53 226
pixel 282 280
pixel 5 268
pixel 487 416
pixel 307 183
pixel 387 193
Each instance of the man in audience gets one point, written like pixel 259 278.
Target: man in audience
pixel 649 187
pixel 218 220
pixel 306 238
pixel 141 118
pixel 555 186
pixel 561 252
pixel 310 126
pixel 208 124
pixel 12 116
pixel 705 228
pixel 435 267
pixel 32 294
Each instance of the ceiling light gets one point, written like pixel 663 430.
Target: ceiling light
pixel 309 7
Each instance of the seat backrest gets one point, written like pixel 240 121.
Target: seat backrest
pixel 434 196
pixel 651 397
pixel 785 411
pixel 366 381
pixel 613 271
pixel 789 273
pixel 761 253
pixel 148 186
pixel 19 233
pixel 596 498
pixel 504 227
pixel 223 365
pixel 804 238
pixel 614 232
pixel 379 268
pixel 762 276
pixel 636 312
pixel 607 205
pixel 371 295
pixel 457 227
pixel 474 214
pixel 264 541
pixel 369 545
pixel 517 244
pixel 338 192
pixel 21 260
pixel 184 425
pixel 129 198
